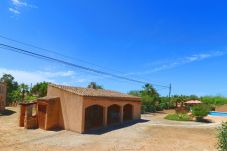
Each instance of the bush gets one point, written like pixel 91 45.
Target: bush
pixel 214 100
pixel 200 110
pixel 222 137
pixel 30 98
pixel 178 117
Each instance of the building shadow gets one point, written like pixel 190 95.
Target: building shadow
pixel 56 129
pixel 205 121
pixel 103 130
pixel 7 112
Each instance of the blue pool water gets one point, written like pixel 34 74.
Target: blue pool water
pixel 213 113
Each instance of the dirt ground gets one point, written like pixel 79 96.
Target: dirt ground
pixel 153 133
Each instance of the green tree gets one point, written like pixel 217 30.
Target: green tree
pixel 150 98
pixel 11 87
pixel 193 97
pixel 150 94
pixel 149 90
pixel 179 99
pixel 135 93
pixel 93 85
pixel 40 89
pixel 15 95
pixel 24 89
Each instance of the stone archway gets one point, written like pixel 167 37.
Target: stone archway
pixel 93 117
pixel 113 114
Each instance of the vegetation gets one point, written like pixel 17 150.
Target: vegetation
pixel 199 111
pixel 178 117
pixel 12 86
pixel 21 92
pixel 214 100
pixel 93 85
pixel 40 89
pixel 152 102
pixel 150 98
pixel 222 137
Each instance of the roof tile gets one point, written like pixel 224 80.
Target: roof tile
pixel 95 92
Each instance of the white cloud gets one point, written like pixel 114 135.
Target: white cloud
pixel 181 61
pixel 14 11
pixel 17 5
pixel 33 77
pixel 57 74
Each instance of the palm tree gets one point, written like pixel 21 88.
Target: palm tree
pixel 24 89
pixel 179 99
pixel 93 85
pixel 149 90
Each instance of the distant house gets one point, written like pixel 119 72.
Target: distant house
pixel 82 109
pixel 2 96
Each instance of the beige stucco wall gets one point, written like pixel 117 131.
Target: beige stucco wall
pixel 106 102
pixel 52 118
pixel 2 96
pixel 71 109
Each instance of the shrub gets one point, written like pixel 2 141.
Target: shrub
pixel 30 98
pixel 214 100
pixel 222 137
pixel 178 117
pixel 200 110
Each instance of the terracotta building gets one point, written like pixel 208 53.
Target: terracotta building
pixel 81 109
pixel 2 96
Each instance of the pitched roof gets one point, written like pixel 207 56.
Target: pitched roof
pixel 95 92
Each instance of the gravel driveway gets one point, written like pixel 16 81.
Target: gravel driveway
pixel 152 133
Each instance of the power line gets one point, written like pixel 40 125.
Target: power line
pixel 40 56
pixel 65 56
pixel 54 52
pixel 40 48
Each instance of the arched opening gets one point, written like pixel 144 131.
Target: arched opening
pixel 113 116
pixel 127 112
pixel 93 117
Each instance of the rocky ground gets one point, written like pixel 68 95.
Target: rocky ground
pixel 152 134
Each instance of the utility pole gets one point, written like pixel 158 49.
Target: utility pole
pixel 31 88
pixel 170 89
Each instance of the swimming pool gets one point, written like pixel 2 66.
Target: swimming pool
pixel 213 113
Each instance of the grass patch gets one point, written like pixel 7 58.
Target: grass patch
pixel 178 117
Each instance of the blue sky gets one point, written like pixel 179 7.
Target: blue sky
pixel 178 42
